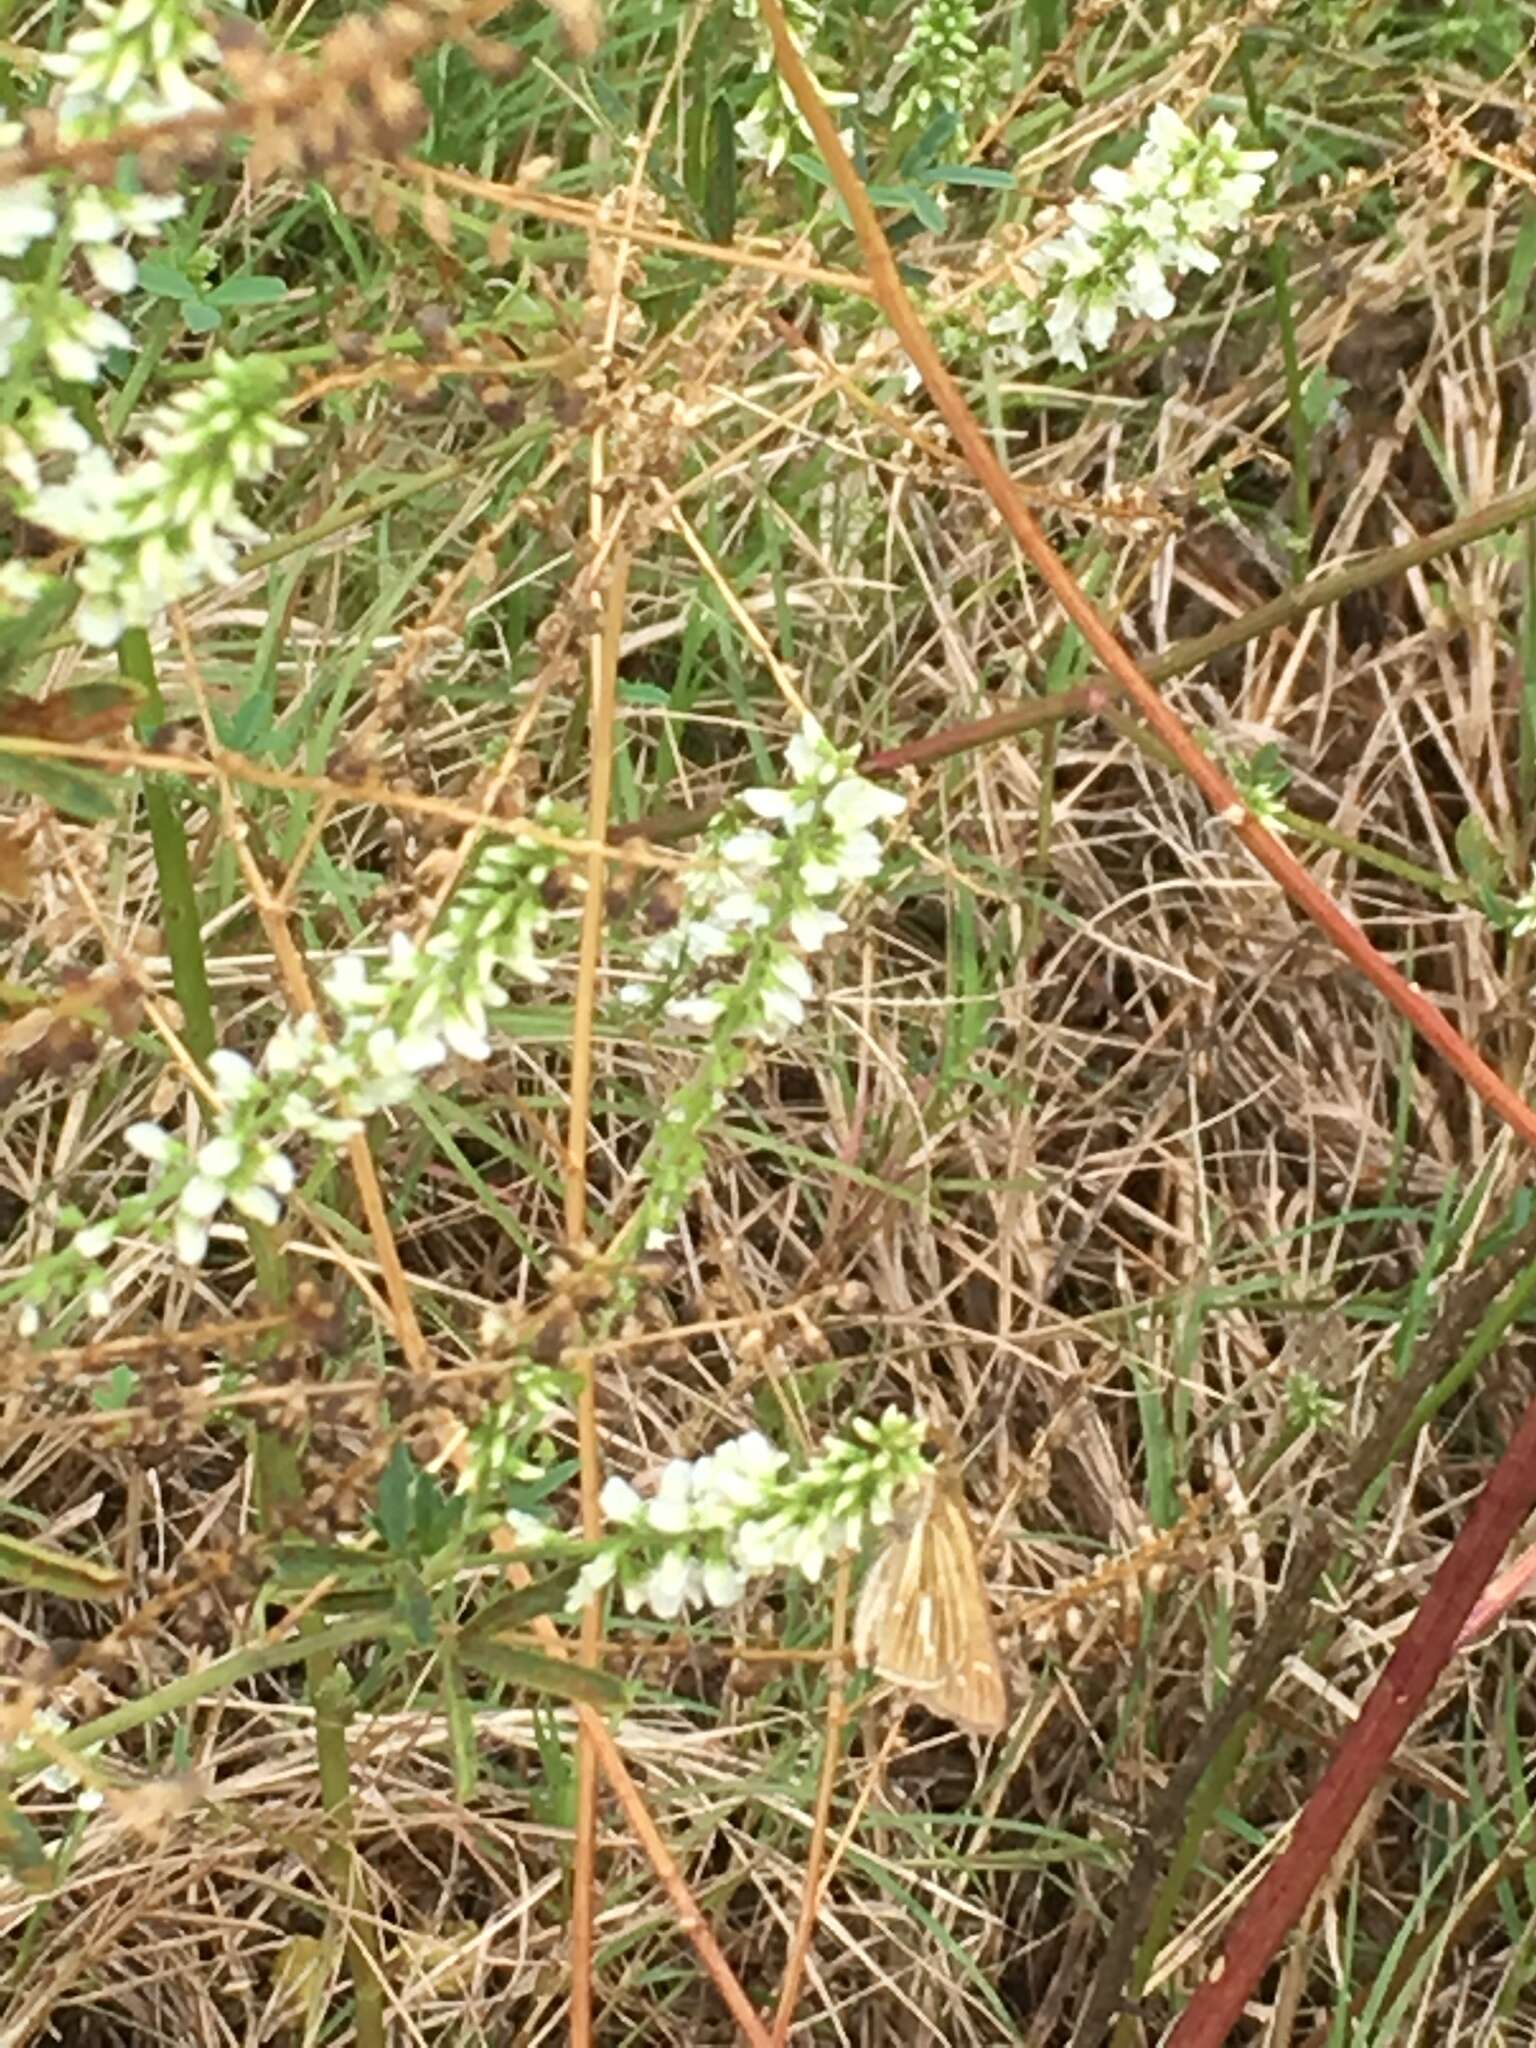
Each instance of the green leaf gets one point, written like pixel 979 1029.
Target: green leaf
pixel 253 290
pixel 438 1516
pixel 969 174
pixel 1319 395
pixel 22 1852
pixel 249 731
pixel 720 176
pixel 927 208
pixel 42 1570
pixel 1517 285
pixel 1481 861
pixel 414 1604
pixel 73 790
pixel 164 279
pixel 547 1595
pixel 201 317
pixel 553 1795
pixel 396 1485
pixel 939 133
pixel 462 1746
pixel 120 1389
pixel 20 634
pixel 553 1677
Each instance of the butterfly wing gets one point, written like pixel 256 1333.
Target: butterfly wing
pixel 972 1689
pixel 922 1620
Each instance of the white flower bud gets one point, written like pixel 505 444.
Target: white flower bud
pixel 619 1502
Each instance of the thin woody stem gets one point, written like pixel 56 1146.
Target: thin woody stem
pixel 816 1873
pixel 1370 571
pixel 604 669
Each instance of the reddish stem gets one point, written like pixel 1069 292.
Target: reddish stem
pixel 1363 1754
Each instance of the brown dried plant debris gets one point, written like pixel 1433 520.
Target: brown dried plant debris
pixel 322 114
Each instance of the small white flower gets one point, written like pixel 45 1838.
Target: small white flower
pixel 744 1468
pixel 667 1589
pixel 112 267
pixel 219 1161
pixel 812 927
pixel 191 1238
pixel 258 1203
pixel 530 1532
pixel 670 1510
pixel 20 584
pixel 26 215
pixel 750 847
pixel 98 623
pixel 702 1010
pixel 202 1199
pixel 735 909
pixel 96 1238
pixel 596 1573
pixel 821 878
pixel 859 857
pixel 763 1543
pixel 809 754
pixel 775 804
pixel 350 986
pixel 233 1075
pixel 79 337
pixel 810 1550
pixel 619 1502
pixel 723 1583
pixel 28 1319
pixel 785 990
pixel 854 803
pixel 462 1036
pixel 277 1172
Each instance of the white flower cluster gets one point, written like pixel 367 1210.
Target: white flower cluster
pixel 40 317
pixel 154 532
pixel 945 65
pixel 25 1757
pixel 713 1524
pixel 169 523
pixel 1159 216
pixel 770 879
pixel 127 64
pixel 756 896
pixel 130 64
pixel 398 1019
pixel 774 124
pixel 514 1444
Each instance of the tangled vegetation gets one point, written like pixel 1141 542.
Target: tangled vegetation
pixel 722 1316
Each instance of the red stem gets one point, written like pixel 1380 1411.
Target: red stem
pixel 1363 1754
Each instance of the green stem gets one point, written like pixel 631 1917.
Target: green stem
pixel 178 898
pixel 1499 1319
pixel 238 1668
pixel 329 1691
pixel 280 1483
pixel 1278 258
pixel 1202 1811
pixel 1295 397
